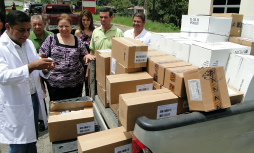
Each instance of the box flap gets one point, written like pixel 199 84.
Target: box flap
pixel 147 96
pixel 128 77
pixel 87 113
pixel 70 105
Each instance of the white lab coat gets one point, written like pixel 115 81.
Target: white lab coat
pixel 16 108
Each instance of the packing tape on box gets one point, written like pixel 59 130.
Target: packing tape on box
pixel 129 41
pixel 211 74
pixel 171 87
pixel 156 55
pixel 173 77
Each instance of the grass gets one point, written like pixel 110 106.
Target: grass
pixel 150 26
pixel 17 7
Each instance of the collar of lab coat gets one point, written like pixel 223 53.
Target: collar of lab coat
pixel 10 45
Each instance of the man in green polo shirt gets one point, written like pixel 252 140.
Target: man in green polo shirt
pixel 101 39
pixel 102 36
pixel 38 35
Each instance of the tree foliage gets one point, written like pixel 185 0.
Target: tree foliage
pixel 103 2
pixel 121 6
pixel 166 11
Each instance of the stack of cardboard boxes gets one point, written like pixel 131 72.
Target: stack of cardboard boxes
pixel 184 73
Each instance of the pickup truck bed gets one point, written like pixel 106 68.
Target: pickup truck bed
pixel 229 130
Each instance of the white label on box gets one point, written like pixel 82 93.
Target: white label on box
pixel 245 51
pixel 85 127
pixel 204 63
pixel 195 90
pixel 124 149
pixel 113 65
pixel 185 104
pixel 215 63
pixel 107 100
pixel 231 92
pixel 140 57
pixel 144 87
pixel 103 51
pixel 164 111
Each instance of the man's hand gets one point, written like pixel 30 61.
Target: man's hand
pixel 41 64
pixel 88 57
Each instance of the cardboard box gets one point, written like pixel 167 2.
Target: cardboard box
pixel 204 37
pixel 103 51
pixel 181 49
pixel 129 52
pixel 157 39
pixel 206 24
pixel 69 125
pixel 156 54
pixel 127 83
pixel 156 85
pixel 215 54
pixel 167 47
pixel 236 25
pixel 247 29
pixel 158 65
pixel 102 94
pixel 243 41
pixel 114 108
pixel 174 79
pixel 111 141
pixel 206 89
pixel 183 105
pixel 235 96
pixel 240 75
pixel 118 68
pixel 154 104
pixel 102 68
pixel 98 52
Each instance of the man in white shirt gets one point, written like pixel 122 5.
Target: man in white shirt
pixel 139 32
pixel 20 87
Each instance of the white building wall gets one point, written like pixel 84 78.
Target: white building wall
pixel 201 7
pixel 247 7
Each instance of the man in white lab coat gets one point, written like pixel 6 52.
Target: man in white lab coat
pixel 20 88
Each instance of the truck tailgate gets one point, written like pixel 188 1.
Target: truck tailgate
pixel 228 130
pixel 53 18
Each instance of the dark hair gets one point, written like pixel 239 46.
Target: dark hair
pixel 2 17
pixel 63 16
pixel 16 16
pixel 140 15
pixel 89 15
pixel 107 9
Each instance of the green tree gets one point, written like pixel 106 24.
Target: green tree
pixel 103 2
pixel 166 11
pixel 121 6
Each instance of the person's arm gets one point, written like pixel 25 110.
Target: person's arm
pixel 78 33
pixel 45 47
pixel 83 51
pixel 11 76
pixel 92 45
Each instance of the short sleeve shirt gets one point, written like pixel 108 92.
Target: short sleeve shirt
pixel 68 68
pixel 37 41
pixel 144 36
pixel 101 40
